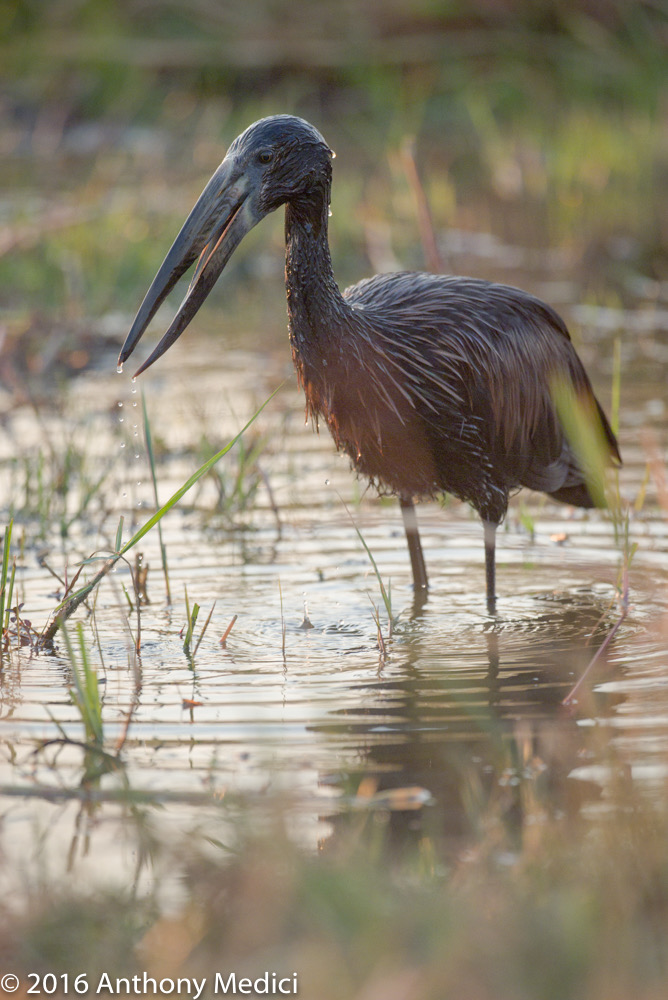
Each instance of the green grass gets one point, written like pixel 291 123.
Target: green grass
pixel 191 621
pixel 586 436
pixel 238 481
pixel 385 591
pixel 192 615
pixel 69 605
pixel 7 578
pixel 148 437
pixel 85 693
pixel 57 485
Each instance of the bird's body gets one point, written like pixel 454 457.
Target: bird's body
pixel 430 383
pixel 427 395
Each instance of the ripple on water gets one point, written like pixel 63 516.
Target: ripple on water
pixel 302 709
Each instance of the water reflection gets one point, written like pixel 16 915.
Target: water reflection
pixel 461 721
pixel 472 730
pixel 464 710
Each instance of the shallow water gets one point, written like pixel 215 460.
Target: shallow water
pixel 304 703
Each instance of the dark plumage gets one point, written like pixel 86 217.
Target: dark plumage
pixel 429 383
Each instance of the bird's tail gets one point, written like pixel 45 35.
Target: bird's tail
pixel 575 490
pixel 577 496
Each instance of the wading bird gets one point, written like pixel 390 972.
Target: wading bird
pixel 431 384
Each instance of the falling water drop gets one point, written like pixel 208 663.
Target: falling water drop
pixel 122 444
pixel 119 403
pixel 307 623
pixel 119 368
pixel 327 482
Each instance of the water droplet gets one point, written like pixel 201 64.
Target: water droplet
pixel 134 387
pixel 120 404
pixel 122 444
pixel 137 455
pixel 119 368
pixel 134 379
pixel 139 482
pixel 124 494
pixel 135 401
pixel 327 482
pixel 329 212
pixel 120 420
pixel 333 154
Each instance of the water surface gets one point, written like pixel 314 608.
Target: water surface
pixel 305 703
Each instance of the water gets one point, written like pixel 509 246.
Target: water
pixel 451 700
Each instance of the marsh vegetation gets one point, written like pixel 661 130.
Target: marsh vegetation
pixel 241 749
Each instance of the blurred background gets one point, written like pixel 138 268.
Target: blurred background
pixel 534 125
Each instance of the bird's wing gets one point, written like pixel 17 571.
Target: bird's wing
pixel 464 346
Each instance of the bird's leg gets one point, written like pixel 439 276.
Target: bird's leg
pixel 414 546
pixel 490 566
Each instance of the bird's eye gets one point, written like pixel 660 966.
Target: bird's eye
pixel 266 156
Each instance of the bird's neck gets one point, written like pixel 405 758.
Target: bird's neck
pixel 315 303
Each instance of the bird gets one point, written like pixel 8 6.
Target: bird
pixel 432 384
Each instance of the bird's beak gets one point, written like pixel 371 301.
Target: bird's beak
pixel 224 213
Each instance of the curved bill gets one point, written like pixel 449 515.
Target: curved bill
pixel 223 215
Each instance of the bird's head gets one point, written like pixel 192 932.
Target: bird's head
pixel 277 160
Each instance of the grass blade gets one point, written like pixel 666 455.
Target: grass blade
pixel 616 386
pixel 224 637
pixel 386 594
pixel 86 693
pixel 119 534
pixel 192 621
pixel 68 607
pixel 10 594
pixel 585 435
pixel 154 478
pixel 204 628
pixel 196 476
pixel 3 573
